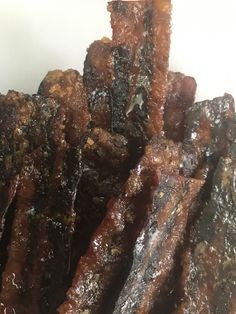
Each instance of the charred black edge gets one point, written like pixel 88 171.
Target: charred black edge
pixel 6 237
pixel 122 59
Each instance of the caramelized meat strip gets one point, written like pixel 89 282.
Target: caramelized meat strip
pixel 39 249
pixel 22 129
pixel 208 280
pixel 67 88
pixel 181 91
pixel 205 135
pixel 155 248
pixel 107 165
pixel 141 40
pixel 106 168
pixel 97 81
pixel 110 250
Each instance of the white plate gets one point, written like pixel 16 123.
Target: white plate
pixel 41 35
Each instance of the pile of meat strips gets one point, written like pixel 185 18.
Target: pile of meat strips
pixel 117 191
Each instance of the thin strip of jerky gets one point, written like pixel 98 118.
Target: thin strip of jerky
pixel 23 124
pixel 205 134
pixel 155 248
pixel 208 280
pixel 111 246
pixel 38 118
pixel 45 220
pixel 14 279
pixel 51 263
pixel 106 168
pixel 22 129
pixel 67 88
pixel 141 39
pixel 181 91
pixel 97 79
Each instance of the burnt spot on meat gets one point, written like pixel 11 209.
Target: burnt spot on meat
pixel 141 32
pixel 120 87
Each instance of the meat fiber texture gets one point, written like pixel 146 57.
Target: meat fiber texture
pixel 49 170
pixel 106 178
pixel 208 279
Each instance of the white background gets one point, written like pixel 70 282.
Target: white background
pixel 41 35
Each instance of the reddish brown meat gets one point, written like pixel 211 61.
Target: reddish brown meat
pixel 205 135
pixel 106 168
pixel 97 81
pixel 208 280
pixel 155 248
pixel 110 248
pixel 23 121
pixel 67 88
pixel 43 222
pixel 181 91
pixel 141 40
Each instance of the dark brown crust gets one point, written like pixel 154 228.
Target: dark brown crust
pixel 206 128
pixel 112 243
pixel 7 194
pixel 43 222
pixel 181 91
pixel 141 39
pixel 68 89
pixel 208 280
pixel 22 129
pixel 155 248
pixel 106 168
pixel 97 79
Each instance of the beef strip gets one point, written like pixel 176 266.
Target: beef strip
pixel 98 80
pixel 21 131
pixel 16 115
pixel 141 40
pixel 205 135
pixel 67 88
pixel 155 248
pixel 181 91
pixel 39 250
pixel 110 250
pixel 106 168
pixel 208 281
